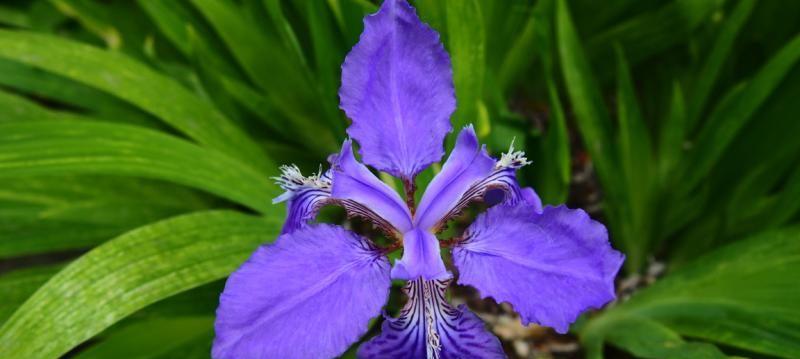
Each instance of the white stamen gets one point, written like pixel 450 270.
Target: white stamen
pixel 512 159
pixel 291 180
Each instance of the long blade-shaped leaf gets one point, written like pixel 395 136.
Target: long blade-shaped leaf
pixel 590 112
pixel 130 80
pixel 645 338
pixel 32 81
pixel 744 295
pixel 17 108
pixel 152 338
pixel 260 54
pixel 18 285
pixel 129 273
pixel 466 36
pixel 650 32
pixel 595 128
pixel 327 60
pixel 45 214
pixel 734 112
pixel 717 57
pixel 59 148
pixel 672 133
pixel 635 155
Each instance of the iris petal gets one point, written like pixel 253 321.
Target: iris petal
pixel 469 174
pixel 309 295
pixel 361 193
pixel 550 266
pixel 429 327
pixel 397 88
pixel 467 164
pixel 421 257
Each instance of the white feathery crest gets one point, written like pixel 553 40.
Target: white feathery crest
pixel 292 180
pixel 512 159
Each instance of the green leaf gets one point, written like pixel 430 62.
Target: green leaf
pixel 130 80
pixel 13 17
pixel 466 37
pixel 259 54
pixel 719 54
pixel 286 83
pixel 46 214
pixel 172 22
pixel 15 108
pixel 151 338
pixel 525 46
pixel 734 111
pixel 555 160
pixel 777 209
pixel 590 112
pixel 673 134
pixel 285 29
pixel 636 158
pixel 595 127
pixel 349 15
pixel 59 148
pixel 653 31
pixel 56 89
pixel 643 338
pixel 187 31
pixel 744 295
pixel 328 60
pixel 128 273
pixel 634 138
pixel 256 103
pixel 19 284
pixel 90 16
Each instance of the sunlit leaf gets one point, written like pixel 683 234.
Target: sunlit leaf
pixel 62 148
pixel 128 273
pixel 743 295
pixel 467 47
pixel 134 82
pixel 152 338
pixel 43 214
pixel 19 284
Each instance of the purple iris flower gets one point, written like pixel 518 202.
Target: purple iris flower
pixel 313 292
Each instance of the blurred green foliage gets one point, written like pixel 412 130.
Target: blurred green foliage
pixel 137 140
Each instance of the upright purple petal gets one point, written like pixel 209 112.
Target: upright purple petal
pixel 429 327
pixel 550 266
pixel 309 295
pixel 304 196
pixel 467 164
pixel 469 174
pixel 421 257
pixel 397 88
pixel 361 193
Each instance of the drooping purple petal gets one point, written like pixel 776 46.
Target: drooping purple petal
pixel 309 295
pixel 467 164
pixel 550 266
pixel 532 199
pixel 363 194
pixel 304 196
pixel 469 174
pixel 397 88
pixel 421 257
pixel 429 327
